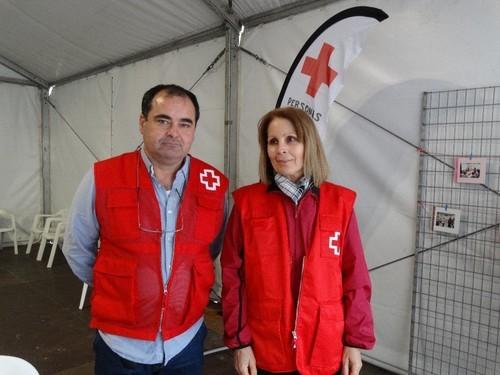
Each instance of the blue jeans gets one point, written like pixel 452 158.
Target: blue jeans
pixel 188 362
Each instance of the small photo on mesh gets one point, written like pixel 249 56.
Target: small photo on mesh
pixel 470 170
pixel 446 220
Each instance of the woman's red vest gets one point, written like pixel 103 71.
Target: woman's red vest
pixel 129 298
pixel 285 337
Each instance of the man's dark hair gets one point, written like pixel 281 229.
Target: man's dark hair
pixel 170 90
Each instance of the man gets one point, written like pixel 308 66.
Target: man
pixel 157 214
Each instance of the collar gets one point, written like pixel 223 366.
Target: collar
pixel 273 188
pixel 180 176
pixel 294 190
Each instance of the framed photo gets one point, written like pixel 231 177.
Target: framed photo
pixel 446 220
pixel 470 170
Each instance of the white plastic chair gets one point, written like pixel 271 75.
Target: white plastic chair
pixel 82 297
pixel 85 286
pixel 8 225
pixel 39 225
pixel 53 231
pixel 16 366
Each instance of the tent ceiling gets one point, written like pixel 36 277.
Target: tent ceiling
pixel 53 41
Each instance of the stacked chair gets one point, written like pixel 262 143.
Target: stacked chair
pixel 8 225
pixel 47 227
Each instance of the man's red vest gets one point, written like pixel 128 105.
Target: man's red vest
pixel 129 298
pixel 285 337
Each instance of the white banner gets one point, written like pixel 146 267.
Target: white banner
pixel 317 73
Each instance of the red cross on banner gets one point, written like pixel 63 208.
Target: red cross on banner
pixel 319 70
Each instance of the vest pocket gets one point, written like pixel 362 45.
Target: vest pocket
pixel 332 236
pixel 203 280
pixel 188 292
pixel 328 346
pixel 265 326
pixel 209 220
pixel 204 274
pixel 263 240
pixel 121 219
pixel 114 292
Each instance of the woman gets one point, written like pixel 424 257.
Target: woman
pixel 296 290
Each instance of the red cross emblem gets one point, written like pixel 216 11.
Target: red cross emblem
pixel 334 239
pixel 318 70
pixel 210 179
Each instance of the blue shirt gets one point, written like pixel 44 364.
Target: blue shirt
pixel 80 248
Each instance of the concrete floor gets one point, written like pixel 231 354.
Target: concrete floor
pixel 40 320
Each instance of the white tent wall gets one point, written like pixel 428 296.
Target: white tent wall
pixel 104 112
pixel 423 46
pixel 20 145
pixel 79 129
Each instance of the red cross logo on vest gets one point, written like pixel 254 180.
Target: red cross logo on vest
pixel 210 179
pixel 318 70
pixel 331 243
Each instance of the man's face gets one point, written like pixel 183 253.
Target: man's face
pixel 168 131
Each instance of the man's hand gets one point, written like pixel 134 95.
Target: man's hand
pixel 244 361
pixel 351 361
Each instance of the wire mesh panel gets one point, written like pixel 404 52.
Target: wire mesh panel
pixel 456 298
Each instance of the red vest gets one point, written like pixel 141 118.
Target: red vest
pixel 128 297
pixel 307 338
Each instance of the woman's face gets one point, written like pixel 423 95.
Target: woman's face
pixel 284 149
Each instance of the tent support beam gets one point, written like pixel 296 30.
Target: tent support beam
pixel 226 13
pixel 17 81
pixel 231 108
pixel 45 136
pixel 20 70
pixel 284 11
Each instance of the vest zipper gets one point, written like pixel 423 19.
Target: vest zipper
pixel 161 320
pixel 162 311
pixel 165 287
pixel 294 331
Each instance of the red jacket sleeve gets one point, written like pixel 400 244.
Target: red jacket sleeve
pixel 236 332
pixel 358 330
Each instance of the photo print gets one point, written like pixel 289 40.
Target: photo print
pixel 446 220
pixel 470 170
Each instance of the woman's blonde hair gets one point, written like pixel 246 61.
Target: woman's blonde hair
pixel 315 164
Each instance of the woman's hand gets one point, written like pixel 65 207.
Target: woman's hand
pixel 244 361
pixel 351 361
